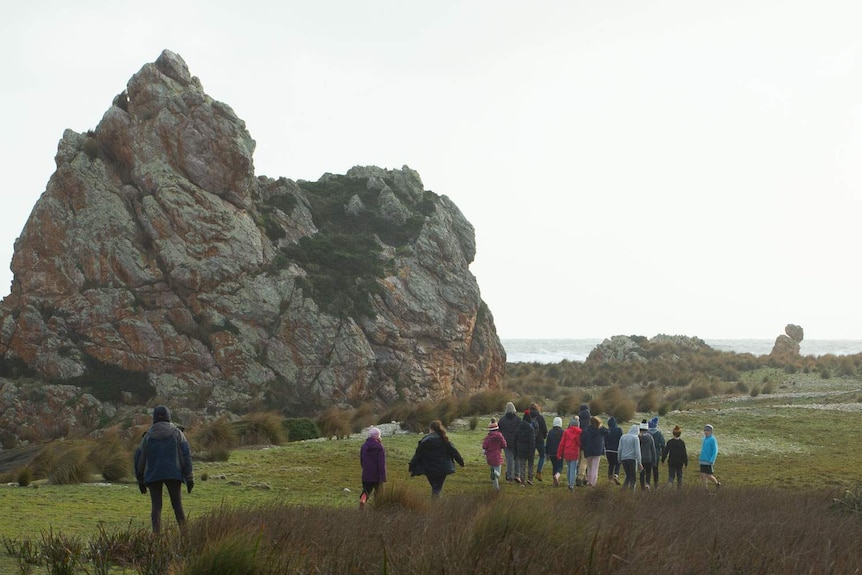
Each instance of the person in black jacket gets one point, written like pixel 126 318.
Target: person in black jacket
pixel 677 457
pixel 525 449
pixel 508 424
pixel 584 415
pixel 541 434
pixel 552 444
pixel 435 457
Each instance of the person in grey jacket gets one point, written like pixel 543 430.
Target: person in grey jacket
pixel 649 458
pixel 630 457
pixel 508 424
pixel 163 458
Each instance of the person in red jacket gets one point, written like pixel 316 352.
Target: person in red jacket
pixel 570 450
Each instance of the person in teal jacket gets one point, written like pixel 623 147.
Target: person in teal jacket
pixel 708 453
pixel 163 458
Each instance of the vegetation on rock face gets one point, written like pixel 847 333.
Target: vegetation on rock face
pixel 345 259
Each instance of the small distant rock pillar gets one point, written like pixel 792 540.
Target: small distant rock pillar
pixel 788 342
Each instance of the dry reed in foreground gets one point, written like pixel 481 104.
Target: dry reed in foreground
pixel 600 530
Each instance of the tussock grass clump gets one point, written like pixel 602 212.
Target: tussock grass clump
pixel 213 441
pixel 63 463
pixel 110 458
pixel 334 422
pixel 263 428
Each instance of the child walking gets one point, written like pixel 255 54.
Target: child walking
pixel 493 445
pixel 677 457
pixel 372 458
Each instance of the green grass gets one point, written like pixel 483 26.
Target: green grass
pixel 794 439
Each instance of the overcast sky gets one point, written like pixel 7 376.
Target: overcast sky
pixel 630 167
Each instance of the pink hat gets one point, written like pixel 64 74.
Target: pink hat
pixel 374 432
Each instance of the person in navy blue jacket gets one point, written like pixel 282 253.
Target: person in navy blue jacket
pixel 163 458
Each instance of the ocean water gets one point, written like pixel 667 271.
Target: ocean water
pixel 556 350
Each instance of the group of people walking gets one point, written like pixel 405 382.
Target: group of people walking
pixel 580 447
pixel 514 441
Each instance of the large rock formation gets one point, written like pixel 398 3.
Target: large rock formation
pixel 788 342
pixel 158 265
pixel 623 348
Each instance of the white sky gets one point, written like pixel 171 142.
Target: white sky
pixel 630 167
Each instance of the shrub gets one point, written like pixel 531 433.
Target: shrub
pixel 485 402
pixel 569 404
pixel 617 403
pixel 362 417
pixel 214 440
pixel 649 400
pixel 301 429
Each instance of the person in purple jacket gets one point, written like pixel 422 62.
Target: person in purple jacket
pixel 372 458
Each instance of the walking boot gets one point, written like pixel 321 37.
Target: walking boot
pixel 538 476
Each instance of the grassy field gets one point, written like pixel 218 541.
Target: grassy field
pixel 798 438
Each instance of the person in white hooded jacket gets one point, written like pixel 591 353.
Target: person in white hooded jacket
pixel 630 457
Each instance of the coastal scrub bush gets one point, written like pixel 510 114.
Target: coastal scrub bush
pixel 485 402
pixel 301 429
pixel 569 404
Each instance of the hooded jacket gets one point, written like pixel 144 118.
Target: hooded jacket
pixel 372 458
pixel 593 441
pixel 508 424
pixel 657 436
pixel 493 445
pixel 630 447
pixel 434 457
pixel 525 438
pixel 648 453
pixel 163 455
pixel 555 435
pixel 570 444
pixel 612 439
pixel 542 425
pixel 585 416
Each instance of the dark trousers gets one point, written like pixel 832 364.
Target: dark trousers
pixel 540 448
pixel 646 474
pixel 674 472
pixel 557 464
pixel 368 487
pixel 655 474
pixel 613 463
pixel 436 482
pixel 630 469
pixel 175 493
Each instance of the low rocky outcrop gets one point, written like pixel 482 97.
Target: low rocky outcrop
pixel 622 348
pixel 788 342
pixel 157 264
